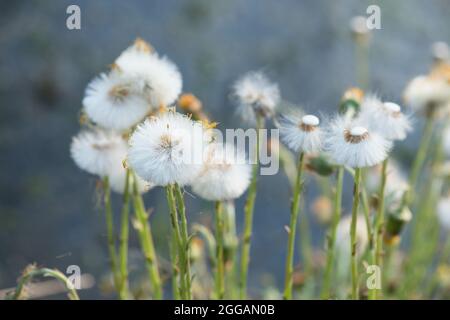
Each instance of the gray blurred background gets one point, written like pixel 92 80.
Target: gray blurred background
pixel 48 211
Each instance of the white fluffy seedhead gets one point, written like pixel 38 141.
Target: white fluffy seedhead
pixel 301 133
pixel 385 118
pixel 167 149
pixel 97 151
pixel 225 174
pixel 350 143
pixel 161 76
pixel 255 93
pixel 424 92
pixel 115 101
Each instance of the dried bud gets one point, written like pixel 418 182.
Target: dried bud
pixel 321 165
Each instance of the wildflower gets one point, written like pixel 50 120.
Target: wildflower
pixel 117 178
pixel 98 151
pixel 167 149
pixel 352 144
pixel 225 174
pixel 385 118
pixel 351 101
pixel 301 134
pixel 163 81
pixel 255 95
pixel 115 102
pixel 440 51
pixel 358 27
pixel 443 212
pixel 427 94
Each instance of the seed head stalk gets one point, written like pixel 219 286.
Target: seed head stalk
pixel 353 243
pixel 184 239
pixel 123 250
pixel 110 232
pixel 220 267
pixel 419 160
pixel 379 225
pixel 288 280
pixel 146 238
pixel 332 238
pixel 248 212
pixel 180 254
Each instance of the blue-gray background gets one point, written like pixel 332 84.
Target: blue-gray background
pixel 47 205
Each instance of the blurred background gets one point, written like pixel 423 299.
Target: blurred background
pixel 49 210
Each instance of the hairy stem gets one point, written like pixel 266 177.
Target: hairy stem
pixel 220 270
pixel 332 238
pixel 288 280
pixel 353 243
pixel 123 250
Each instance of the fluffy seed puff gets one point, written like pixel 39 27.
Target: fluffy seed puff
pixel 385 118
pixel 225 174
pixel 425 94
pixel 102 153
pixel 163 81
pixel 167 149
pixel 350 143
pixel 255 94
pixel 115 101
pixel 301 133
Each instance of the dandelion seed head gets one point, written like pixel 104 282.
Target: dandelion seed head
pixel 385 118
pixel 301 133
pixel 114 102
pixel 225 174
pixel 350 143
pixel 166 149
pixel 424 94
pixel 97 151
pixel 255 94
pixel 163 81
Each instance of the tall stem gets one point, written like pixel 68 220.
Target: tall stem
pixel 146 238
pixel 288 280
pixel 110 232
pixel 220 271
pixel 184 238
pixel 248 212
pixel 179 258
pixel 379 222
pixel 123 250
pixel 419 160
pixel 336 217
pixel 354 262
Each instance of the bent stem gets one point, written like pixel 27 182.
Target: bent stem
pixel 287 295
pixel 220 271
pixel 123 250
pixel 145 235
pixel 336 217
pixel 354 263
pixel 110 232
pixel 184 239
pixel 379 222
pixel 248 220
pixel 32 272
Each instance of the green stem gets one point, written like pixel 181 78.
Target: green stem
pixel 419 160
pixel 181 254
pixel 44 272
pixel 336 217
pixel 248 220
pixel 184 238
pixel 288 280
pixel 220 271
pixel 123 250
pixel 173 256
pixel 146 239
pixel 379 224
pixel 110 232
pixel 353 243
